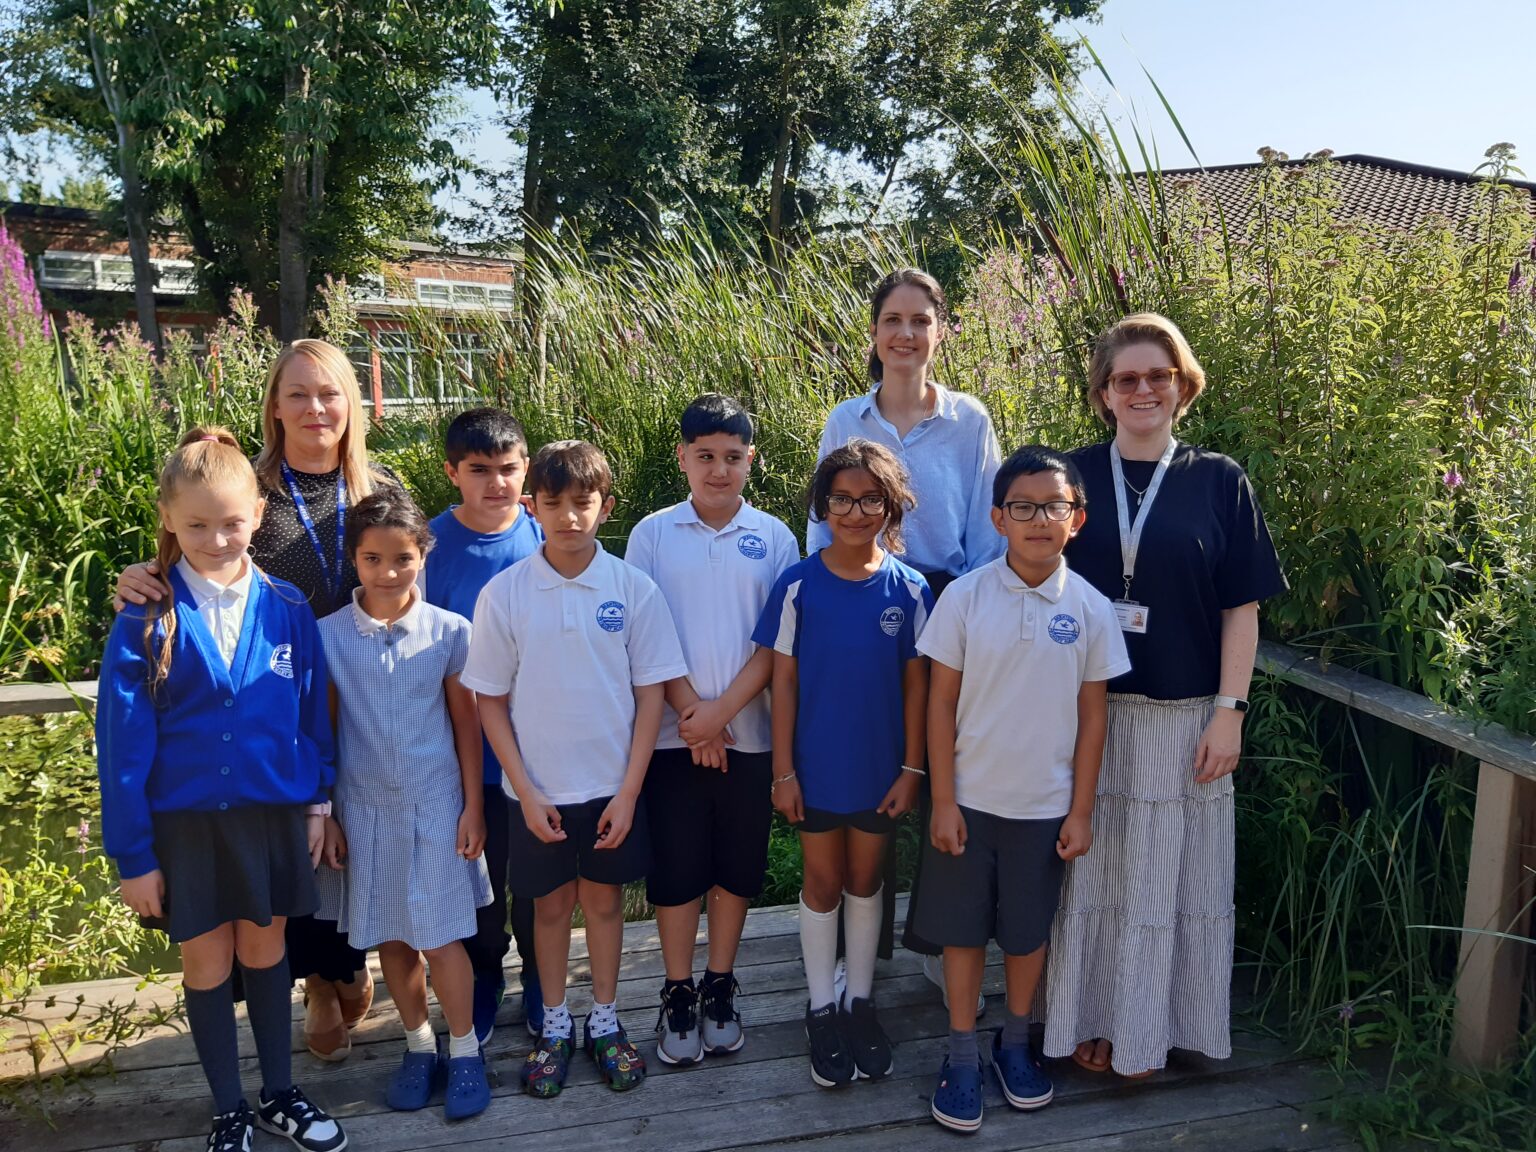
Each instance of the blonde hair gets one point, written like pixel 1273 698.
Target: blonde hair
pixel 1143 328
pixel 336 368
pixel 207 457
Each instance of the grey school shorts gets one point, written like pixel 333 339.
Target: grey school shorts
pixel 1005 886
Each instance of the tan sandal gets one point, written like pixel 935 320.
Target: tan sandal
pixel 354 1008
pixel 1087 1063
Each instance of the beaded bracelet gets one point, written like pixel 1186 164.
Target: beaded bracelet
pixel 914 771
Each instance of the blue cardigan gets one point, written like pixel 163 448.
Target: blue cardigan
pixel 258 732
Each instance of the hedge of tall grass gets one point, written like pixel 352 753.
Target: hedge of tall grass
pixel 1376 384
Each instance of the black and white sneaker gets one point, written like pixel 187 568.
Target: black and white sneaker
pixel 290 1113
pixel 233 1130
pixel 870 1045
pixel 831 1061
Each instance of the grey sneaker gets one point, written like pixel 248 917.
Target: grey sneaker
pixel 678 1039
pixel 933 971
pixel 721 1022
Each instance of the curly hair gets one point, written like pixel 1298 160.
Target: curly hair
pixel 884 469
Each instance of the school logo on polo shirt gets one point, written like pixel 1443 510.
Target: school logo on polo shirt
pixel 281 661
pixel 1064 629
pixel 610 616
pixel 752 547
pixel 891 620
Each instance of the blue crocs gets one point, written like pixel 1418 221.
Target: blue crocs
pixel 1024 1082
pixel 411 1086
pixel 488 994
pixel 533 1003
pixel 469 1092
pixel 957 1099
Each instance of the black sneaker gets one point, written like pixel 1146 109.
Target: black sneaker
pixel 678 1039
pixel 721 1022
pixel 831 1061
pixel 870 1045
pixel 233 1130
pixel 290 1113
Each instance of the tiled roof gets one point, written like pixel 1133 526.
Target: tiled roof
pixel 1389 192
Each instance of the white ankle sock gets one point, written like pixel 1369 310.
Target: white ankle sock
pixel 604 1019
pixel 862 916
pixel 465 1045
pixel 557 1021
pixel 818 948
pixel 420 1039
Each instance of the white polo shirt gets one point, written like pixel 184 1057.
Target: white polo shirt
pixel 570 653
pixel 1023 653
pixel 222 608
pixel 716 584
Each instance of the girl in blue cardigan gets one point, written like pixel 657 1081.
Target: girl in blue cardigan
pixel 214 753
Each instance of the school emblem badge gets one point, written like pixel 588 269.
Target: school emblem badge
pixel 752 547
pixel 891 620
pixel 610 616
pixel 281 661
pixel 1064 629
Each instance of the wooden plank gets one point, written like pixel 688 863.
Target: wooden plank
pixel 1499 893
pixel 1490 743
pixel 34 699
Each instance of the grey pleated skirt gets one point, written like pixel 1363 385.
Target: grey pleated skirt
pixel 1141 951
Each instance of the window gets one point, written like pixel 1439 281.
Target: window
pixel 465 294
pixel 112 272
pixel 409 373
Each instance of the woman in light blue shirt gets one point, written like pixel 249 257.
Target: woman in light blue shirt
pixel 944 438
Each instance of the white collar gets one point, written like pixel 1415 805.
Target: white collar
pixel 945 406
pixel 1051 588
pixel 367 625
pixel 745 517
pixel 204 589
pixel 588 577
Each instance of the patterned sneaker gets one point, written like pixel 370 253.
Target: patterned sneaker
pixel 721 1022
pixel 1025 1084
pixel 533 1004
pixel 545 1069
pixel 290 1113
pixel 615 1057
pixel 232 1130
pixel 867 1040
pixel 488 994
pixel 468 1092
pixel 410 1088
pixel 678 1040
pixel 831 1060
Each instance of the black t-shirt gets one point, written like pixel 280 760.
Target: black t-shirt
pixel 1204 548
pixel 282 547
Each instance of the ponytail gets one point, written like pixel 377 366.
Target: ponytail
pixel 207 456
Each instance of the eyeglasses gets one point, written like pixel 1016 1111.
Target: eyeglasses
pixel 839 505
pixel 1159 379
pixel 1024 510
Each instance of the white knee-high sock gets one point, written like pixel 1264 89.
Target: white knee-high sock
pixel 862 916
pixel 818 948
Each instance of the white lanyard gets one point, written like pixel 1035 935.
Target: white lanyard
pixel 1130 533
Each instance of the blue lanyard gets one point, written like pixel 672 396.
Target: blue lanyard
pixel 333 581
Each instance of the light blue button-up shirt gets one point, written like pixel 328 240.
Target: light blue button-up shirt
pixel 951 458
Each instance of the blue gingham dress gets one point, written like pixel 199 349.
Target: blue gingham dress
pixel 399 793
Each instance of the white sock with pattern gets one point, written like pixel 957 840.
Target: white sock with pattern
pixel 604 1019
pixel 557 1021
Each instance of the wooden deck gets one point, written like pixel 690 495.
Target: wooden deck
pixel 1264 1098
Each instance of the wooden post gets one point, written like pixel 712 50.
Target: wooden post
pixel 1498 900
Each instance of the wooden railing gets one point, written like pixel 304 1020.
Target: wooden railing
pixel 1501 873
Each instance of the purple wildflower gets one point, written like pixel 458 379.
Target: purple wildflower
pixel 1453 479
pixel 83 836
pixel 1347 1011
pixel 1516 279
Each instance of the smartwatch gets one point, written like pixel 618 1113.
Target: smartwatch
pixel 1232 702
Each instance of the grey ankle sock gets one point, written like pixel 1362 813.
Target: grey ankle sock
pixel 269 1005
pixel 962 1048
pixel 1015 1030
pixel 211 1017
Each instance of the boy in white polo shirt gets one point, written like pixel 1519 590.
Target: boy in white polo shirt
pixel 1021 650
pixel 574 736
pixel 715 558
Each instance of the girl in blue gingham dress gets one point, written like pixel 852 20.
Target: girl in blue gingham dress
pixel 404 842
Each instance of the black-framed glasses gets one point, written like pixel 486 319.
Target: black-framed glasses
pixel 1024 510
pixel 871 504
pixel 1159 380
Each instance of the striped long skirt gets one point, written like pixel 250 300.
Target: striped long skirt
pixel 1141 951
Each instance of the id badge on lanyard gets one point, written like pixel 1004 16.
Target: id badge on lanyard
pixel 333 577
pixel 1134 616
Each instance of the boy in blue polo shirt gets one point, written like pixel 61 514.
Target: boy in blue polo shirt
pixel 486 533
pixel 715 559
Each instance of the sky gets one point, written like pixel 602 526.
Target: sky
pixel 1430 83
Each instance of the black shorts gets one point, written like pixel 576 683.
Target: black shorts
pixel 820 820
pixel 708 828
pixel 1005 886
pixel 536 869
